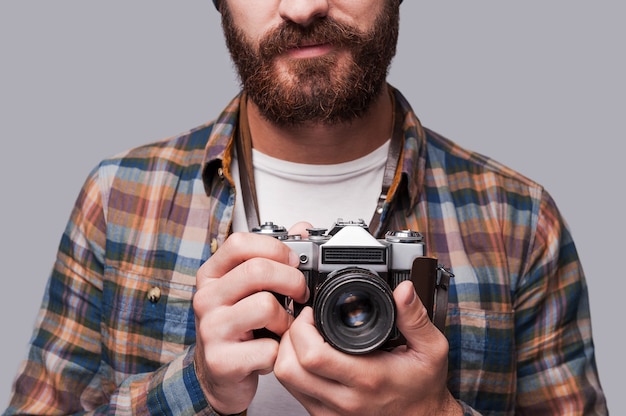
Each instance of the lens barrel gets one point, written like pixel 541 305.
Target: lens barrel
pixel 354 310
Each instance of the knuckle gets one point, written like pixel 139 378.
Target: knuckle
pixel 283 373
pixel 211 328
pixel 203 300
pixel 236 239
pixel 260 269
pixel 281 369
pixel 269 350
pixel 353 407
pixel 311 359
pixel 266 303
pixel 373 383
pixel 200 303
pixel 284 368
pixel 205 273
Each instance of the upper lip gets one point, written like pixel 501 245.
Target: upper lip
pixel 308 44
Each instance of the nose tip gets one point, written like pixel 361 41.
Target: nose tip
pixel 303 12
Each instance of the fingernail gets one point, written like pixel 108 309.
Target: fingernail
pixel 412 298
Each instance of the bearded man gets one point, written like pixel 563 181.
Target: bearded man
pixel 160 290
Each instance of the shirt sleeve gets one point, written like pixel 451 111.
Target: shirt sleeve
pixel 556 371
pixel 64 372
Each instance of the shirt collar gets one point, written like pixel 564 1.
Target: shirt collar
pixel 413 159
pixel 410 174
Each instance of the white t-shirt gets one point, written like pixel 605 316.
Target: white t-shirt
pixel 319 194
pixel 290 192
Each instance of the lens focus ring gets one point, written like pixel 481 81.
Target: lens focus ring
pixel 354 310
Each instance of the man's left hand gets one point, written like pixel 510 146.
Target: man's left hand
pixel 411 379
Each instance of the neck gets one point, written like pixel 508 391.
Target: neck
pixel 324 144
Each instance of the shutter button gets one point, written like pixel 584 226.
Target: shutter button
pixel 154 294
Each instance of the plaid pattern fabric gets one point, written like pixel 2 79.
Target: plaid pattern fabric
pixel 116 333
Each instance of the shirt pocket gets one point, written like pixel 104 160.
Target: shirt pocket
pixel 147 321
pixel 481 360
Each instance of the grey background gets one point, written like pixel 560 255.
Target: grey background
pixel 537 85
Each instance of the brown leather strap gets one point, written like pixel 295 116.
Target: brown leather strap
pixel 431 282
pixel 243 142
pixel 441 297
pixel 393 158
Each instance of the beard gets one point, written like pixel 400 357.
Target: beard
pixel 334 88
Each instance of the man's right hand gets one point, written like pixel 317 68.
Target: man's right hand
pixel 232 299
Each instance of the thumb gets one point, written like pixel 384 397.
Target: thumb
pixel 412 320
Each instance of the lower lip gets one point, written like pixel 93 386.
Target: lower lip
pixel 309 51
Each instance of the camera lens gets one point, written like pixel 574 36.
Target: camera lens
pixel 354 310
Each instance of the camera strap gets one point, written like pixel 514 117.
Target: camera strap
pixel 431 281
pixel 441 297
pixel 243 145
pixel 391 165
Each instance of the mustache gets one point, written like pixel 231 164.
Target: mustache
pixel 289 35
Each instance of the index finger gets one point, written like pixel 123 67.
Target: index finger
pixel 240 247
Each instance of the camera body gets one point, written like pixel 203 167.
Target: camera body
pixel 351 276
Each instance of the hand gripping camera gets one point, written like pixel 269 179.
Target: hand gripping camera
pixel 351 276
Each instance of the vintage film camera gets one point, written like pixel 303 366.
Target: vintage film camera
pixel 352 275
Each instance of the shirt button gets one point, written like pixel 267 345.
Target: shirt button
pixel 213 246
pixel 154 294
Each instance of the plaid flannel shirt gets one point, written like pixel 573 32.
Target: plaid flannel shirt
pixel 116 332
